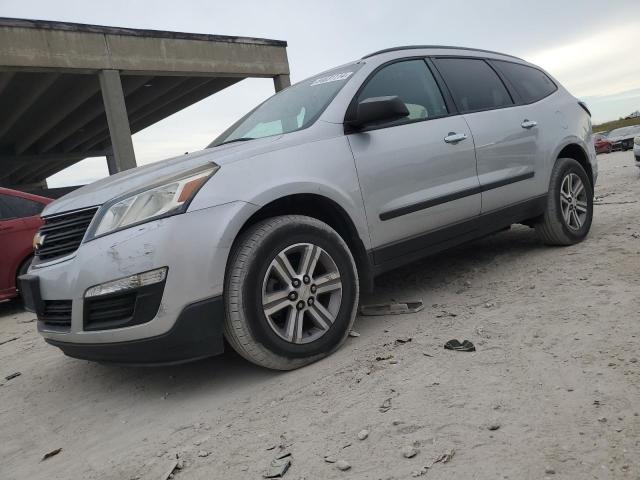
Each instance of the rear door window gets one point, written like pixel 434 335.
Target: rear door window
pixel 530 83
pixel 20 207
pixel 474 84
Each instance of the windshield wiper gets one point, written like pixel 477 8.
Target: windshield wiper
pixel 241 139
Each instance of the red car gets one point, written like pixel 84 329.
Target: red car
pixel 19 222
pixel 602 143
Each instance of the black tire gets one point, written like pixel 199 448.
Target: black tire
pixel 246 326
pixel 553 228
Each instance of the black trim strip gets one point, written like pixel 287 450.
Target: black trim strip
pixel 507 181
pixel 400 253
pixel 414 207
pixel 398 212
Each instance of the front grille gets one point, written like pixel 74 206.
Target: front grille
pixel 56 313
pixel 62 234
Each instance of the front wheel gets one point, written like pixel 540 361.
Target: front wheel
pixel 291 292
pixel 569 210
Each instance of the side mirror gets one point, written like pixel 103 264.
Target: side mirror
pixel 378 109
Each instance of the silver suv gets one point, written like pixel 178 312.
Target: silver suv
pixel 266 237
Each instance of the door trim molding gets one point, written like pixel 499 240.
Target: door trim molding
pixel 399 253
pixel 415 207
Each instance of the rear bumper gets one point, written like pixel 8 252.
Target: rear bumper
pixel 196 334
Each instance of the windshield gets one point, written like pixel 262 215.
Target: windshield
pixel 292 109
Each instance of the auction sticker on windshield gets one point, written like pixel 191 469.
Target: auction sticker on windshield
pixel 332 78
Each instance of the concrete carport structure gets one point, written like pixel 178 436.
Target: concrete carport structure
pixel 71 91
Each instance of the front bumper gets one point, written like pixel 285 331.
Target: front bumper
pixel 625 144
pixel 194 246
pixel 197 333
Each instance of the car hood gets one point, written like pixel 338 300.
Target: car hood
pixel 626 136
pixel 113 186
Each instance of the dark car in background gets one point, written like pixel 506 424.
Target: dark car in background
pixel 19 222
pixel 601 143
pixel 622 138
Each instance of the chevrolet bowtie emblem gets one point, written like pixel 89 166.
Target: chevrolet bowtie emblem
pixel 38 241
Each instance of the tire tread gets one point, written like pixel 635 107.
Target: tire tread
pixel 550 230
pixel 243 254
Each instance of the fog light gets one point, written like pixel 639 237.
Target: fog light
pixel 134 281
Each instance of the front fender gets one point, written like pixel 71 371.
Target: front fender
pixel 323 167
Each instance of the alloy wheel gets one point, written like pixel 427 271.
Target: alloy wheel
pixel 573 201
pixel 301 293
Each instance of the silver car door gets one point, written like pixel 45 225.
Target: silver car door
pixel 416 175
pixel 506 139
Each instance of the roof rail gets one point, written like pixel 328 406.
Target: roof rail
pixel 415 47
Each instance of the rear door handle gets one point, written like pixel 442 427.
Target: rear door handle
pixel 528 124
pixel 454 137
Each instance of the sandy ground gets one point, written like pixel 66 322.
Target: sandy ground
pixel 556 376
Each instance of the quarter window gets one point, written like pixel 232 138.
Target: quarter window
pixel 474 84
pixel 530 83
pixel 413 83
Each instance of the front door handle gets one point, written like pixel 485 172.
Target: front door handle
pixel 454 137
pixel 528 124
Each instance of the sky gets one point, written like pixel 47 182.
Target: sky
pixel 591 47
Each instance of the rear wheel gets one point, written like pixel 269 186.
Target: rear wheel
pixel 569 210
pixel 291 292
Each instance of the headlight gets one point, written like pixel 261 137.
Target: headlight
pixel 636 140
pixel 161 200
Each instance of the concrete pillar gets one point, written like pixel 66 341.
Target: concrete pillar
pixel 123 155
pixel 111 164
pixel 280 82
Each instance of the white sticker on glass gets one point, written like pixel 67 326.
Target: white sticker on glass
pixel 332 78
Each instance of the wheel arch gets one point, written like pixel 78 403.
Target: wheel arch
pixel 577 152
pixel 328 211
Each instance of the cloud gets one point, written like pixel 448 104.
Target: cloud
pixel 87 171
pixel 601 63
